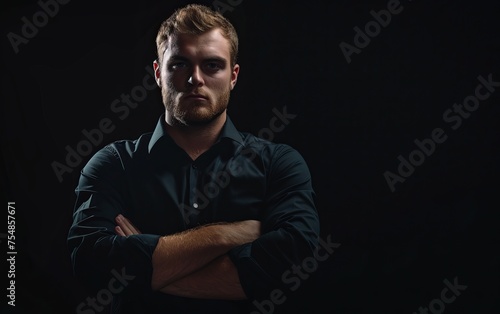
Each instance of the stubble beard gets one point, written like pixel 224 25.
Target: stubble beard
pixel 193 114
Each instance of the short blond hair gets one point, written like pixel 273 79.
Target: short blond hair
pixel 196 19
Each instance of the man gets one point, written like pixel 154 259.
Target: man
pixel 194 217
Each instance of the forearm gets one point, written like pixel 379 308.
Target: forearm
pixel 179 255
pixel 218 280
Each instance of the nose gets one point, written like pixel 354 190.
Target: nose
pixel 196 78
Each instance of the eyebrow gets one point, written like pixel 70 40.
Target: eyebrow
pixel 178 58
pixel 212 58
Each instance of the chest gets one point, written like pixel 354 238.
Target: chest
pixel 166 198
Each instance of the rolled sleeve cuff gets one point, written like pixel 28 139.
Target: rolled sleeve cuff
pixel 253 279
pixel 137 264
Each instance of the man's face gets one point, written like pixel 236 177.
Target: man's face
pixel 196 77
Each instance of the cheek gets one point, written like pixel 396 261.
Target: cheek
pixel 175 81
pixel 220 84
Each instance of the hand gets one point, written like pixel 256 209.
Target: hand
pixel 125 227
pixel 245 231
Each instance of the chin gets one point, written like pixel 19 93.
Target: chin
pixel 201 117
pixel 198 121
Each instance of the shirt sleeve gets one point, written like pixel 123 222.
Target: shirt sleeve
pixel 97 253
pixel 290 226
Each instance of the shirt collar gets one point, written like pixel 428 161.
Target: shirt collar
pixel 228 131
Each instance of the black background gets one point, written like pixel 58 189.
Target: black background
pixel 353 121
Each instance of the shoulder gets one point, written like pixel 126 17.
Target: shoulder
pixel 117 153
pixel 277 155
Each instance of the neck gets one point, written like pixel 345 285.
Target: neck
pixel 196 139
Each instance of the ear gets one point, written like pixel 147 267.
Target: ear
pixel 156 68
pixel 234 75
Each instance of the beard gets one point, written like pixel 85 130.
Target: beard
pixel 189 112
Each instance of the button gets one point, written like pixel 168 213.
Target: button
pixel 195 205
pixel 194 166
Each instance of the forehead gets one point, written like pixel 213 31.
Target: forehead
pixel 211 43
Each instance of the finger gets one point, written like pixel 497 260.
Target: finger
pixel 127 227
pixel 124 225
pixel 119 231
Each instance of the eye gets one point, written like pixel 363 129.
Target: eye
pixel 213 66
pixel 177 65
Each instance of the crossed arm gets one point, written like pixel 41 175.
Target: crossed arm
pixel 194 263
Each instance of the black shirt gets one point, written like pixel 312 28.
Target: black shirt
pixel 154 183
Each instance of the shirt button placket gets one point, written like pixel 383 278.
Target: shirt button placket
pixel 193 199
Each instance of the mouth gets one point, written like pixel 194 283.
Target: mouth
pixel 196 97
